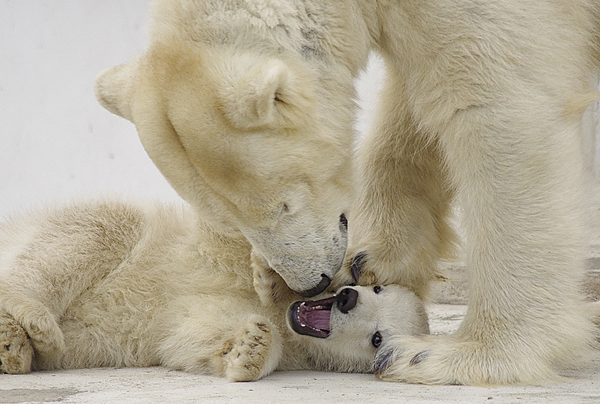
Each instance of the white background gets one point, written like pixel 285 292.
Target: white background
pixel 56 142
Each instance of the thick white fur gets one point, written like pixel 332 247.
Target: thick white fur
pixel 249 131
pixel 482 102
pixel 111 283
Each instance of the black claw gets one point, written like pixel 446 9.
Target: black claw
pixel 383 360
pixel 418 358
pixel 357 265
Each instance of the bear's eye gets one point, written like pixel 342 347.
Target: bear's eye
pixel 344 221
pixel 376 340
pixel 377 289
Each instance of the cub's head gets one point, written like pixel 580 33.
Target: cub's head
pixel 240 136
pixel 346 330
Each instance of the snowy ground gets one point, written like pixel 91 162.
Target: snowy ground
pixel 159 385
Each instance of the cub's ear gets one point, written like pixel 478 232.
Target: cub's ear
pixel 113 88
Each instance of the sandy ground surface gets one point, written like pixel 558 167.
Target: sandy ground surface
pixel 159 385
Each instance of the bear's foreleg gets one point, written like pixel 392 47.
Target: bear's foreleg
pixel 399 226
pixel 518 170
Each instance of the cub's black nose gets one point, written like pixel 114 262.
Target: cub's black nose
pixel 346 299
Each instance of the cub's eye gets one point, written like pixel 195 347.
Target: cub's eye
pixel 377 289
pixel 376 340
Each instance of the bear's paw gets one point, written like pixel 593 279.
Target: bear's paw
pixel 454 360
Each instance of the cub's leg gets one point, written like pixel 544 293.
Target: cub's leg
pixel 399 226
pixel 48 259
pixel 223 339
pixel 254 352
pixel 16 352
pixel 268 284
pixel 39 324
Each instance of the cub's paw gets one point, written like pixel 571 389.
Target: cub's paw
pixel 268 284
pixel 255 353
pixel 16 351
pixel 450 360
pixel 45 334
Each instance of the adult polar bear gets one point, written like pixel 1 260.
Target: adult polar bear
pixel 483 101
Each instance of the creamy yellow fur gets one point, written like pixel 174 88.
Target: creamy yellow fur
pixel 246 129
pixel 112 283
pixel 482 102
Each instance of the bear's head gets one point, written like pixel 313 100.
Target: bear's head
pixel 239 136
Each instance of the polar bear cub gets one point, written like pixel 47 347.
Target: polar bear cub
pixel 109 283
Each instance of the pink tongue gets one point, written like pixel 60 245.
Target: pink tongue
pixel 318 319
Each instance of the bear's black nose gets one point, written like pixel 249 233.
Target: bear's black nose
pixel 346 299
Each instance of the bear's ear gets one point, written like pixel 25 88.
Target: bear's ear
pixel 250 100
pixel 113 88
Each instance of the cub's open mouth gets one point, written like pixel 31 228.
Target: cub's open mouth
pixel 311 317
